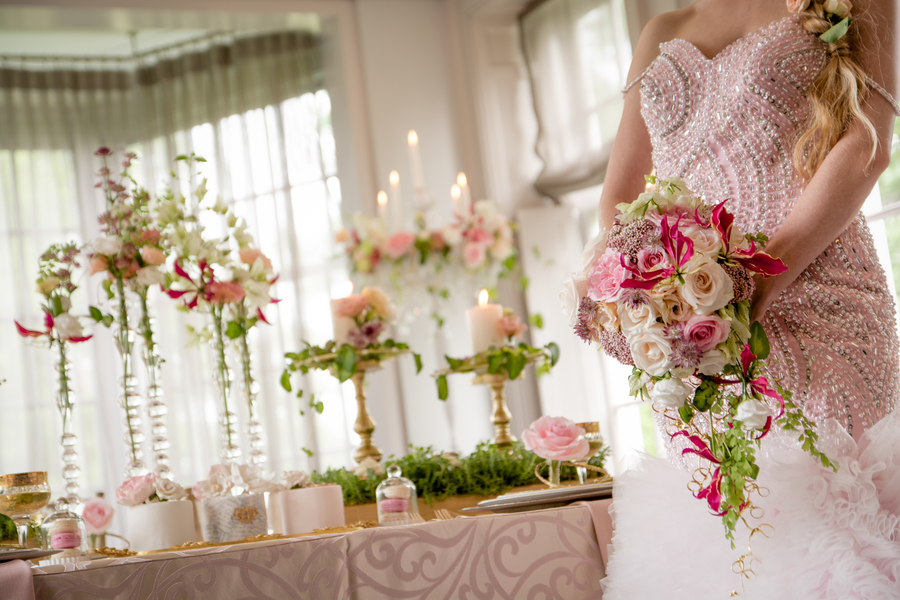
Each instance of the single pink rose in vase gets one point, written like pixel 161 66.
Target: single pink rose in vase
pixel 97 515
pixel 399 244
pixel 556 438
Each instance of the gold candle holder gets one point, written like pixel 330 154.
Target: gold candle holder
pixel 364 425
pixel 500 415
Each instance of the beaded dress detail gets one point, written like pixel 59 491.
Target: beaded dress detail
pixel 727 126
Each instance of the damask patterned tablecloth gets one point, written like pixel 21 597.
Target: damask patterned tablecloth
pixel 541 555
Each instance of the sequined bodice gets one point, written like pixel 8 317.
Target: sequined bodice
pixel 727 126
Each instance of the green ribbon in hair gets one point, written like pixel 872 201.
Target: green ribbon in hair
pixel 836 32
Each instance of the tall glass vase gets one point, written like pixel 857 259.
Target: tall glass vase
pixel 250 389
pixel 65 400
pixel 228 449
pixel 156 408
pixel 129 400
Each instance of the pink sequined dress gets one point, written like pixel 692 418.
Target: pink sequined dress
pixel 726 125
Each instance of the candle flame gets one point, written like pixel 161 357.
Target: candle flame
pixel 455 192
pixel 412 138
pixel 344 289
pixel 382 198
pixel 483 298
pixel 394 178
pixel 461 180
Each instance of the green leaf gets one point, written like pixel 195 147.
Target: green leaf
pixel 286 380
pixel 96 314
pixel 537 320
pixel 443 392
pixel 836 32
pixel 234 330
pixel 523 283
pixel 759 342
pixel 418 359
pixel 686 413
pixel 181 157
pixel 515 363
pixel 705 395
pixel 345 363
pixel 454 363
pixel 495 362
pixel 554 353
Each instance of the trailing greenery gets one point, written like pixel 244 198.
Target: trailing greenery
pixel 510 360
pixel 488 471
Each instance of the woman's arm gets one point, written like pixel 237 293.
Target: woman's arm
pixel 837 191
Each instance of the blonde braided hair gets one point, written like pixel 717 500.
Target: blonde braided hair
pixel 835 97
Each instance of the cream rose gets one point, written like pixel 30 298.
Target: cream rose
pixel 641 316
pixel 68 326
pixel 672 307
pixel 107 245
pixel 650 350
pixel 608 316
pixel 149 276
pixel 381 302
pixel 753 413
pixel 671 393
pixel 841 8
pixel 570 297
pixel 295 479
pixel 169 490
pixel 707 287
pixel 452 235
pixel 47 285
pixel 706 240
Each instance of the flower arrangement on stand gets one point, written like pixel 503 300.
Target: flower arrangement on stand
pixel 668 293
pixel 61 328
pixel 359 322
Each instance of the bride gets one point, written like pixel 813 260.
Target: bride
pixel 744 101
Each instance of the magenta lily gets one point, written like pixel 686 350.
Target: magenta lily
pixel 48 323
pixel 753 260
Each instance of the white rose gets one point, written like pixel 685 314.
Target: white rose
pixel 149 276
pixel 47 285
pixel 672 307
pixel 608 316
pixel 641 316
pixel 651 350
pixel 169 490
pixel 452 236
pixel 570 297
pixel 502 249
pixel 487 210
pixel 707 287
pixel 107 246
pixel 217 486
pixel 671 393
pixel 294 479
pixel 593 250
pixel 257 293
pixel 68 326
pixel 706 240
pixel 753 413
pixel 837 7
pixel 65 303
pixel 712 362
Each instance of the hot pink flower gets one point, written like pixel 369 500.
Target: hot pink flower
pixel 399 244
pixel 98 264
pixel 97 514
pixel 605 279
pixel 474 254
pixel 707 332
pixel 152 256
pixel 221 292
pixel 511 326
pixel 556 438
pixel 351 306
pixel 136 490
pixel 249 256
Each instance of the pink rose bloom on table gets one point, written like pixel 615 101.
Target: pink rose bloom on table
pixel 221 292
pixel 97 515
pixel 351 306
pixel 474 254
pixel 399 244
pixel 605 279
pixel 511 326
pixel 136 490
pixel 556 438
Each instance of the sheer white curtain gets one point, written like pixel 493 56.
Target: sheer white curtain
pixel 258 110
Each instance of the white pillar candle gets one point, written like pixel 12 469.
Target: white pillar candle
pixel 396 202
pixel 482 320
pixel 466 194
pixel 455 193
pixel 382 200
pixel 415 160
pixel 342 325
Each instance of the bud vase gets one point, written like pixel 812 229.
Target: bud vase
pixel 228 449
pixel 65 401
pixel 156 408
pixel 130 400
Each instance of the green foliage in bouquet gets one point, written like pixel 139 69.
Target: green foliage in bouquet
pixel 508 360
pixel 488 471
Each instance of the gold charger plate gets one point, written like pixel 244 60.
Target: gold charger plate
pixel 544 498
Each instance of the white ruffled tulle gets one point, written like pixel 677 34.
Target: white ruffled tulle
pixel 836 535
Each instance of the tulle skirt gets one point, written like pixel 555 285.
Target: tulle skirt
pixel 832 536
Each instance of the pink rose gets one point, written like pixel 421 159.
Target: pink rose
pixel 707 332
pixel 221 292
pixel 556 438
pixel 797 6
pixel 97 514
pixel 474 254
pixel 437 240
pixel 152 256
pixel 479 236
pixel 136 490
pixel 651 259
pixel 99 264
pixel 511 326
pixel 149 236
pixel 605 279
pixel 399 244
pixel 196 490
pixel 249 256
pixel 351 306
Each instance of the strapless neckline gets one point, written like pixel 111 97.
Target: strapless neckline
pixel 724 51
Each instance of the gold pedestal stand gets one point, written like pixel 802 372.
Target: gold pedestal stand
pixel 364 425
pixel 500 415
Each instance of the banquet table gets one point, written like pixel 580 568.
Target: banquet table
pixel 550 553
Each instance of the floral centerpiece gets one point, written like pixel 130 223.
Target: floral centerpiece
pixel 56 285
pixel 232 502
pixel 158 511
pixel 668 293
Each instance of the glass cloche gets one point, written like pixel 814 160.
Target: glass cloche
pixel 64 530
pixel 396 498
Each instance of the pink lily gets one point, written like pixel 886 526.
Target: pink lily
pixel 679 246
pixel 713 494
pixel 753 260
pixel 48 323
pixel 701 450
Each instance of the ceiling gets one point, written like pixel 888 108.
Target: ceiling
pixel 99 43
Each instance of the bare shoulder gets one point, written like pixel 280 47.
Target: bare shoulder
pixel 658 30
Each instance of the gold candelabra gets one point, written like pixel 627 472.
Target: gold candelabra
pixel 364 425
pixel 500 415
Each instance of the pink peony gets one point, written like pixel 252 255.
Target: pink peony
pixel 351 306
pixel 152 256
pixel 399 244
pixel 136 490
pixel 511 326
pixel 249 256
pixel 479 236
pixel 221 292
pixel 99 264
pixel 652 258
pixel 97 515
pixel 474 254
pixel 556 438
pixel 605 279
pixel 707 332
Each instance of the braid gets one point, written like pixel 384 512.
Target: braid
pixel 835 96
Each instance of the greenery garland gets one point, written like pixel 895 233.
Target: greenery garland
pixel 509 360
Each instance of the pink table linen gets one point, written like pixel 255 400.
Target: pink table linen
pixel 16 582
pixel 551 553
pixel 603 525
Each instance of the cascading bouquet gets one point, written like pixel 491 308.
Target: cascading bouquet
pixel 670 295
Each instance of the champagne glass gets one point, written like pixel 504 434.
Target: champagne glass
pixel 595 441
pixel 22 495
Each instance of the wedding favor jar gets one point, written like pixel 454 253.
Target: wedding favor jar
pixel 160 525
pixel 64 530
pixel 314 507
pixel 233 518
pixel 396 498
